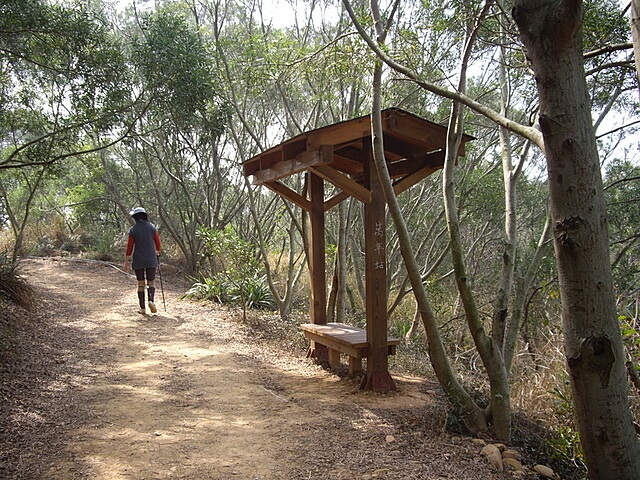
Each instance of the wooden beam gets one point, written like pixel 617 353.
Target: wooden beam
pixel 415 128
pixel 377 377
pixel 335 200
pixel 410 180
pixel 318 266
pixel 410 165
pixel 264 160
pixel 287 167
pixel 346 165
pixel 290 195
pixel 419 129
pixel 343 182
pixel 398 146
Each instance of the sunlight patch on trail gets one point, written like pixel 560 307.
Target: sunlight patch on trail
pixel 183 350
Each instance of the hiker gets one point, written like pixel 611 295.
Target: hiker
pixel 144 243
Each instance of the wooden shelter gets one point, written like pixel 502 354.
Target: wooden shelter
pixel 341 154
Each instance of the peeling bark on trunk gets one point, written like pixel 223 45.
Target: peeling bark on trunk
pixel 552 35
pixel 635 34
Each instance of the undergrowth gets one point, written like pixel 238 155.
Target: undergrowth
pixel 12 286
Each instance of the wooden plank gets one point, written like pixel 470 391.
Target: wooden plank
pixel 341 333
pixel 290 195
pixel 264 160
pixel 287 167
pixel 419 129
pixel 345 338
pixel 415 128
pixel 397 147
pixel 335 344
pixel 346 165
pixel 412 165
pixel 343 182
pixel 338 133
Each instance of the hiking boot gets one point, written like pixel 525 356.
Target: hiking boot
pixel 142 311
pixel 153 308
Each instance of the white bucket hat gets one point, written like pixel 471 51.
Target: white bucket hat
pixel 137 210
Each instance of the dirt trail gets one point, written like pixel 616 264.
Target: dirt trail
pixel 187 394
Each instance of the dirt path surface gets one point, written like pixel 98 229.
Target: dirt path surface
pixel 93 390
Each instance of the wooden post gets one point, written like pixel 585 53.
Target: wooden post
pixel 318 283
pixel 377 377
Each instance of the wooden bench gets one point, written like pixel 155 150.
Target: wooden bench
pixel 341 338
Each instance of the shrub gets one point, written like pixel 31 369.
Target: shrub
pixel 257 293
pixel 254 290
pixel 215 289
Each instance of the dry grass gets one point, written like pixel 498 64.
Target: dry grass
pixel 13 286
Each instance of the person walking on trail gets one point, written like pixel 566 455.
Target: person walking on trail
pixel 144 244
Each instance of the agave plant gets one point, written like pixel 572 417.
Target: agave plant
pixel 257 293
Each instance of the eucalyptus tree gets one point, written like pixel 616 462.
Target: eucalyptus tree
pixel 635 34
pixel 593 344
pixel 469 411
pixel 176 153
pixel 280 82
pixel 622 191
pixel 592 339
pixel 501 119
pixel 62 74
pixel 249 55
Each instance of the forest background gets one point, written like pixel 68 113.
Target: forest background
pixel 107 106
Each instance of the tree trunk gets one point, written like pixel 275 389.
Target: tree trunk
pixel 343 232
pixel 510 176
pixel 635 35
pixel 491 353
pixel 490 350
pixel 551 31
pixel 520 299
pixel 459 399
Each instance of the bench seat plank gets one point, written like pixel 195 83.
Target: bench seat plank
pixel 346 339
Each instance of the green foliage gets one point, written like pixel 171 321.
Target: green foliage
pixel 565 443
pixel 630 337
pixel 622 192
pixel 256 293
pixel 239 280
pixel 253 291
pixel 64 75
pixel 176 68
pixel 604 23
pixel 216 289
pixel 400 327
pixel 234 253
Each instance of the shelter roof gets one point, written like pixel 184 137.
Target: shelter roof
pixel 414 148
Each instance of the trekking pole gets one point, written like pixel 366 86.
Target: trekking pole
pixel 161 286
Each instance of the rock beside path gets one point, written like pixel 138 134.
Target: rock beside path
pixel 506 460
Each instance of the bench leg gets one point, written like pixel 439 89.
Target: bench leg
pixel 318 352
pixel 334 358
pixel 355 366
